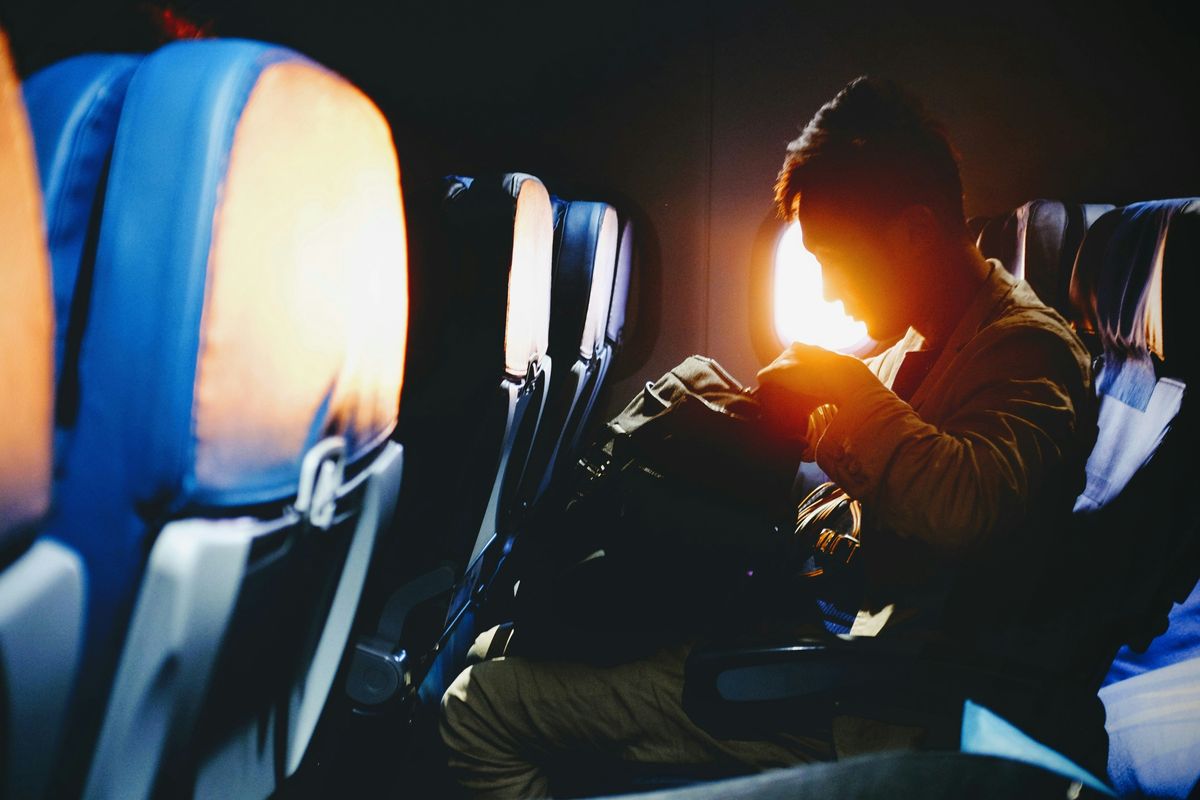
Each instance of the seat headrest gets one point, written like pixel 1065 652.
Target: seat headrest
pixel 250 289
pixel 502 234
pixel 1037 242
pixel 620 293
pixel 74 107
pixel 26 322
pixel 585 257
pixel 1119 285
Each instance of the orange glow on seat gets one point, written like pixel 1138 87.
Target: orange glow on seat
pixel 26 320
pixel 307 297
pixel 527 332
pixel 801 312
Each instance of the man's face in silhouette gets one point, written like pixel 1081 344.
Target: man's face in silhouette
pixel 865 262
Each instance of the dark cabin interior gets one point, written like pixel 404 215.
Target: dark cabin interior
pixel 682 110
pixel 678 113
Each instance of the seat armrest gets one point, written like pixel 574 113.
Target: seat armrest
pixel 799 686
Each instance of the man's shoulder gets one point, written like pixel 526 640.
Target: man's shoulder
pixel 1026 329
pixel 1024 319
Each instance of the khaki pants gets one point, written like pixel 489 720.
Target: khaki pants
pixel 508 722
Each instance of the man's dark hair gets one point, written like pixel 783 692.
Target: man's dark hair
pixel 874 149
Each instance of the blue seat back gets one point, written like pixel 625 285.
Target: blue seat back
pixel 469 420
pixel 247 302
pixel 474 401
pixel 75 105
pixel 585 252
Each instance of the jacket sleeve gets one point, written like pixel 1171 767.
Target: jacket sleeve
pixel 951 485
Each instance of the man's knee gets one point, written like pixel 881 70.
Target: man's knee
pixel 473 705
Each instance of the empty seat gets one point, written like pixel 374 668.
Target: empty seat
pixel 480 370
pixel 41 582
pixel 614 329
pixel 1133 285
pixel 1038 242
pixel 228 465
pixel 585 253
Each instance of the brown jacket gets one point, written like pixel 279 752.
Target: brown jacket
pixel 966 490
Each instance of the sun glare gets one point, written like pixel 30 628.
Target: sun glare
pixel 801 313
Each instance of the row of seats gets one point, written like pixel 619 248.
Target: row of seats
pixel 527 309
pixel 211 402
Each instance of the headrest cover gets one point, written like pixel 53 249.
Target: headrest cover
pixel 1117 286
pixel 26 325
pixel 620 293
pixel 1037 242
pixel 254 198
pixel 527 323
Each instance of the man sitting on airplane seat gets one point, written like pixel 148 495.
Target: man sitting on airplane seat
pixel 965 443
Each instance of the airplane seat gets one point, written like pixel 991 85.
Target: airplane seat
pixel 1038 242
pixel 585 253
pixel 614 331
pixel 468 422
pixel 1133 286
pixel 42 584
pixel 228 465
pixel 975 226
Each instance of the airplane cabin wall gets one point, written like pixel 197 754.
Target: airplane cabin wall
pixel 679 111
pixel 1076 102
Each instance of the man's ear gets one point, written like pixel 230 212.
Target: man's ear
pixel 916 229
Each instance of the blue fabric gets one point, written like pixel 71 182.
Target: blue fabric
pixel 74 107
pixel 170 159
pixel 128 465
pixel 1129 380
pixel 986 733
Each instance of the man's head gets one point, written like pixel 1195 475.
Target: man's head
pixel 874 183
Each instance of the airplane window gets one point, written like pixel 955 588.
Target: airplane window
pixel 801 312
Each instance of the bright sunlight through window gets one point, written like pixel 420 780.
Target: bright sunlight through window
pixel 801 313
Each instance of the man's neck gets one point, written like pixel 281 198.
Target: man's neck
pixel 952 290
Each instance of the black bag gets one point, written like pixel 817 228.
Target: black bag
pixel 675 522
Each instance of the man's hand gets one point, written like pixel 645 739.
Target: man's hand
pixel 815 374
